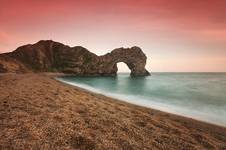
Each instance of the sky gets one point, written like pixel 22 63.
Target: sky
pixel 176 35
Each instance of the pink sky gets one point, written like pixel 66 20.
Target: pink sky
pixel 176 35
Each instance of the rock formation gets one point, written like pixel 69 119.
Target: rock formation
pixel 50 56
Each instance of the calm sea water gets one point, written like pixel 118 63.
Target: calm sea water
pixel 200 96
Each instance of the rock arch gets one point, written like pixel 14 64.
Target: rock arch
pixel 122 67
pixel 133 57
pixel 50 56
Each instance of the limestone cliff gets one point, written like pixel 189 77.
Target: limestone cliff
pixel 50 56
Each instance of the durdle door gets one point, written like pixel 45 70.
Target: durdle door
pixel 50 56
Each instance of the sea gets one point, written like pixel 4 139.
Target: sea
pixel 201 96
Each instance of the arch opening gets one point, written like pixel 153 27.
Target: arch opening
pixel 122 68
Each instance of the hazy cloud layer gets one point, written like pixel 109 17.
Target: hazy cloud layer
pixel 176 35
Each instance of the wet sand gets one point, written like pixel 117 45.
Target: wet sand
pixel 38 112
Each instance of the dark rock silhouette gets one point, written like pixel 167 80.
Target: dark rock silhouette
pixel 50 56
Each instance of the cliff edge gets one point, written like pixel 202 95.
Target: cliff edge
pixel 50 56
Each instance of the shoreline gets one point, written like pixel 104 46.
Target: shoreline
pixel 132 101
pixel 47 113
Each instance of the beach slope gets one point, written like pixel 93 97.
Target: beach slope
pixel 38 112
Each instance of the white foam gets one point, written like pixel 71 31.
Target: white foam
pixel 141 101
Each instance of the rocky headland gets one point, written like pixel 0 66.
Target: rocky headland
pixel 39 112
pixel 50 56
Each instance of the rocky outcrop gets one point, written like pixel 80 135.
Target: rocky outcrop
pixel 11 65
pixel 133 57
pixel 50 56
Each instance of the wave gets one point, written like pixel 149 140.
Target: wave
pixel 154 104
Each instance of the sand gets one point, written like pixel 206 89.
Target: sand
pixel 38 112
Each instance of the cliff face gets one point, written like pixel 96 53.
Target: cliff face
pixel 50 56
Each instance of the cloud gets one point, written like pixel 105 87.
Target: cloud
pixel 4 40
pixel 164 26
